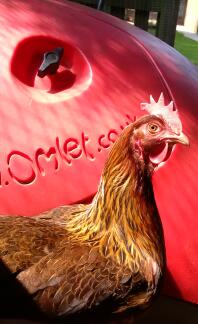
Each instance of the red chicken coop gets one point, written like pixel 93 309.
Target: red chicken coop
pixel 56 131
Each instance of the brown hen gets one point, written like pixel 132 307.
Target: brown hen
pixel 75 257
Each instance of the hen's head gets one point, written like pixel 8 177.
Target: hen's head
pixel 155 135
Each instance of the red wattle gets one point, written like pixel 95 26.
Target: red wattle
pixel 159 153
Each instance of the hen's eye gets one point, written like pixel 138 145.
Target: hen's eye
pixel 153 128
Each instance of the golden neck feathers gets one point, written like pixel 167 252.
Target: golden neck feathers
pixel 122 219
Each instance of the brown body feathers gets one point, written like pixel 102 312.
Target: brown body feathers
pixel 75 257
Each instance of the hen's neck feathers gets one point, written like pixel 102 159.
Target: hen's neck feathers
pixel 123 217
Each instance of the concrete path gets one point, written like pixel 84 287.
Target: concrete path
pixel 193 36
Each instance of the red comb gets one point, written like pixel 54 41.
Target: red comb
pixel 169 114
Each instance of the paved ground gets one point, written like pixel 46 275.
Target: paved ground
pixel 193 36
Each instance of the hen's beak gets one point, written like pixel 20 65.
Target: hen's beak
pixel 182 139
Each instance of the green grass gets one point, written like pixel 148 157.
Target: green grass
pixel 187 47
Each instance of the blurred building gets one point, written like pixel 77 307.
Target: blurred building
pixel 188 15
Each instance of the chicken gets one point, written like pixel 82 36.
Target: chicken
pixel 73 258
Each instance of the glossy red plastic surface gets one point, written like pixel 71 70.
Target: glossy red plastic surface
pixel 56 132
